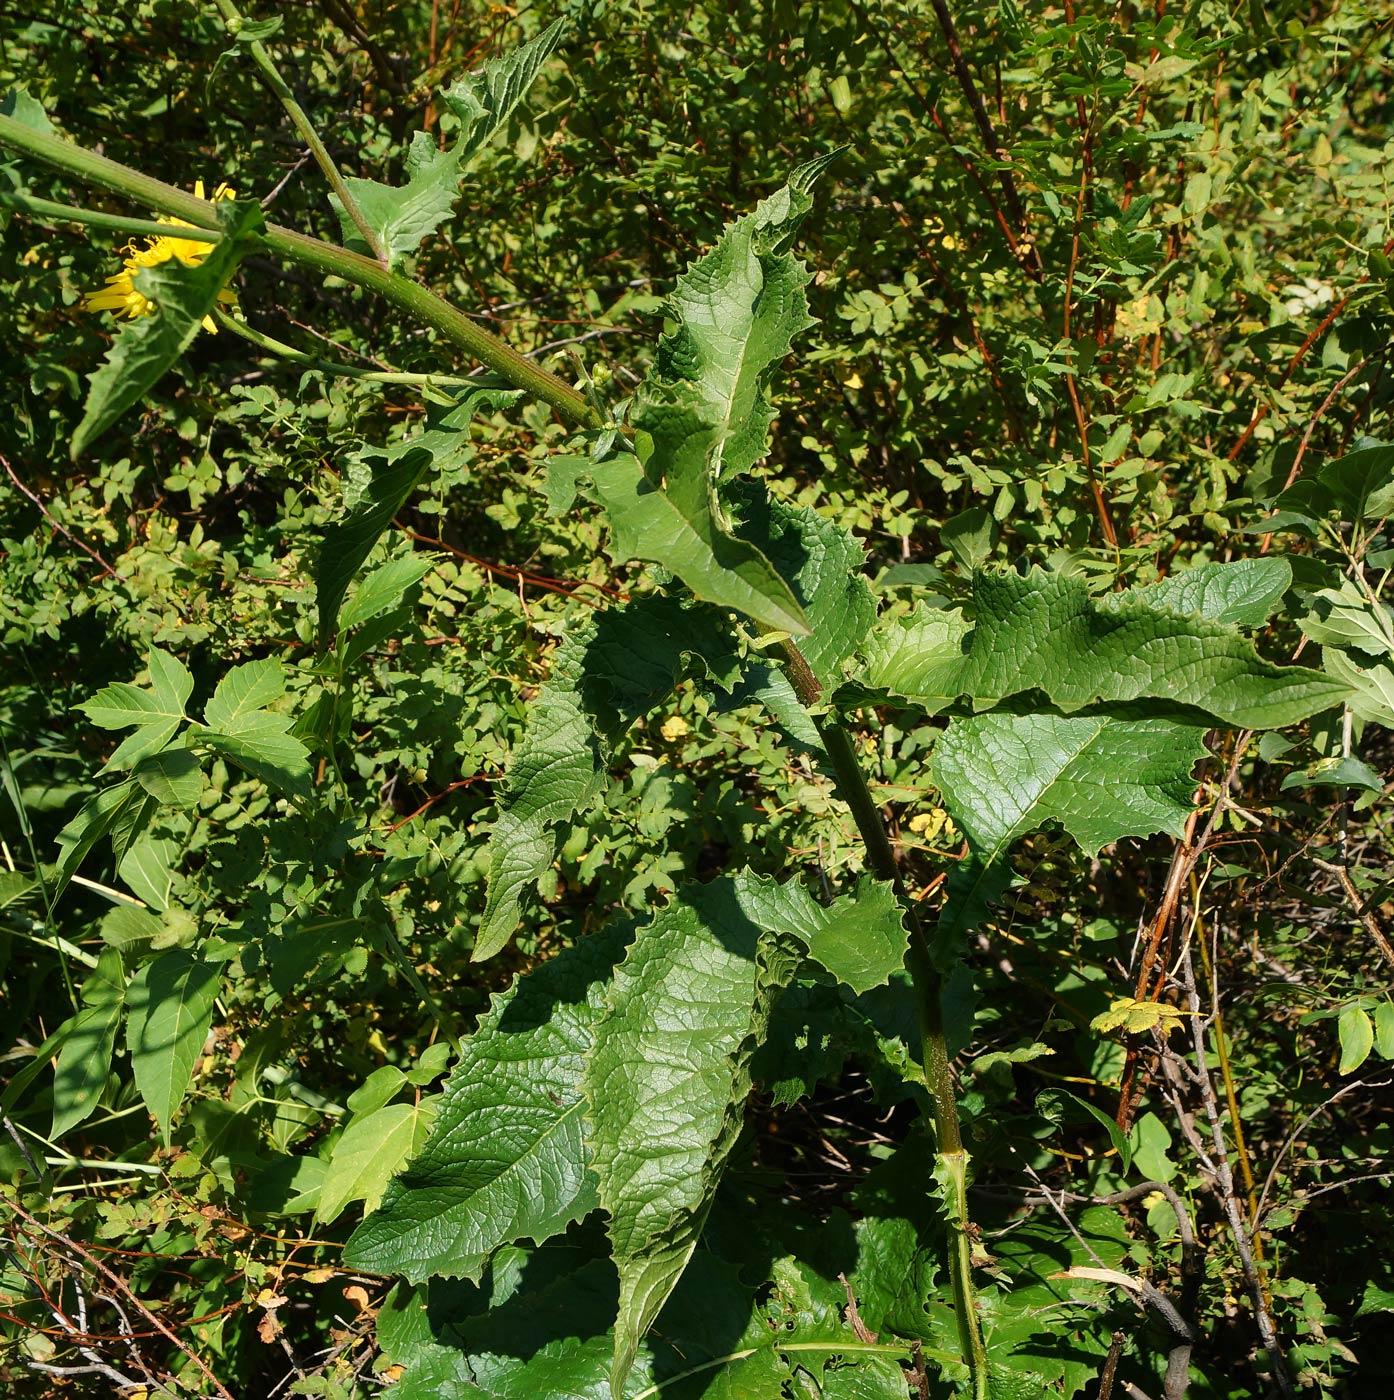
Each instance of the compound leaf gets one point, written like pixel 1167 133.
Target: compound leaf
pixel 172 777
pixel 252 686
pixel 120 811
pixel 155 714
pixel 259 743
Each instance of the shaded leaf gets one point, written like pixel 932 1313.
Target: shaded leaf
pixel 258 741
pixel 147 868
pixel 1344 617
pixel 920 655
pixel 1370 692
pixel 147 346
pixel 1384 1029
pixel 823 564
pixel 89 1039
pixel 1357 1036
pixel 120 811
pixel 605 675
pixel 172 777
pixel 646 523
pixel 391 475
pixel 861 938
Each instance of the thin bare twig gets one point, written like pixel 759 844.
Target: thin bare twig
pixel 1361 906
pixel 1224 1179
pixel 122 1287
pixel 59 526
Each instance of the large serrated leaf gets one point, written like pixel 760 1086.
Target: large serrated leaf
pixel 702 415
pixel 1100 776
pixel 402 216
pixel 147 346
pixel 391 474
pixel 505 1159
pixel 605 675
pixel 861 937
pixel 919 656
pixel 171 1008
pixel 1043 632
pixel 1247 592
pixel 666 1084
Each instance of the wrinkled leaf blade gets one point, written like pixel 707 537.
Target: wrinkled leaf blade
pixel 505 1160
pixel 666 1092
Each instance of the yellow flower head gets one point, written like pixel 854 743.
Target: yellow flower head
pixel 120 294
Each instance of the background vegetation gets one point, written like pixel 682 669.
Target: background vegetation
pixel 1093 285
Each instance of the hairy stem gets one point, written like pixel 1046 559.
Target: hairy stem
pixel 271 76
pixel 928 985
pixel 298 248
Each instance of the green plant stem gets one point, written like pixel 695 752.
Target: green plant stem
pixel 298 248
pixel 928 985
pixel 271 76
pixel 50 211
pixel 282 351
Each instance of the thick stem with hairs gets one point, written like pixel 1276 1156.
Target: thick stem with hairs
pixel 951 1169
pixel 424 305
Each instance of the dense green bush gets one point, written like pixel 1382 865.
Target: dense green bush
pixel 368 719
